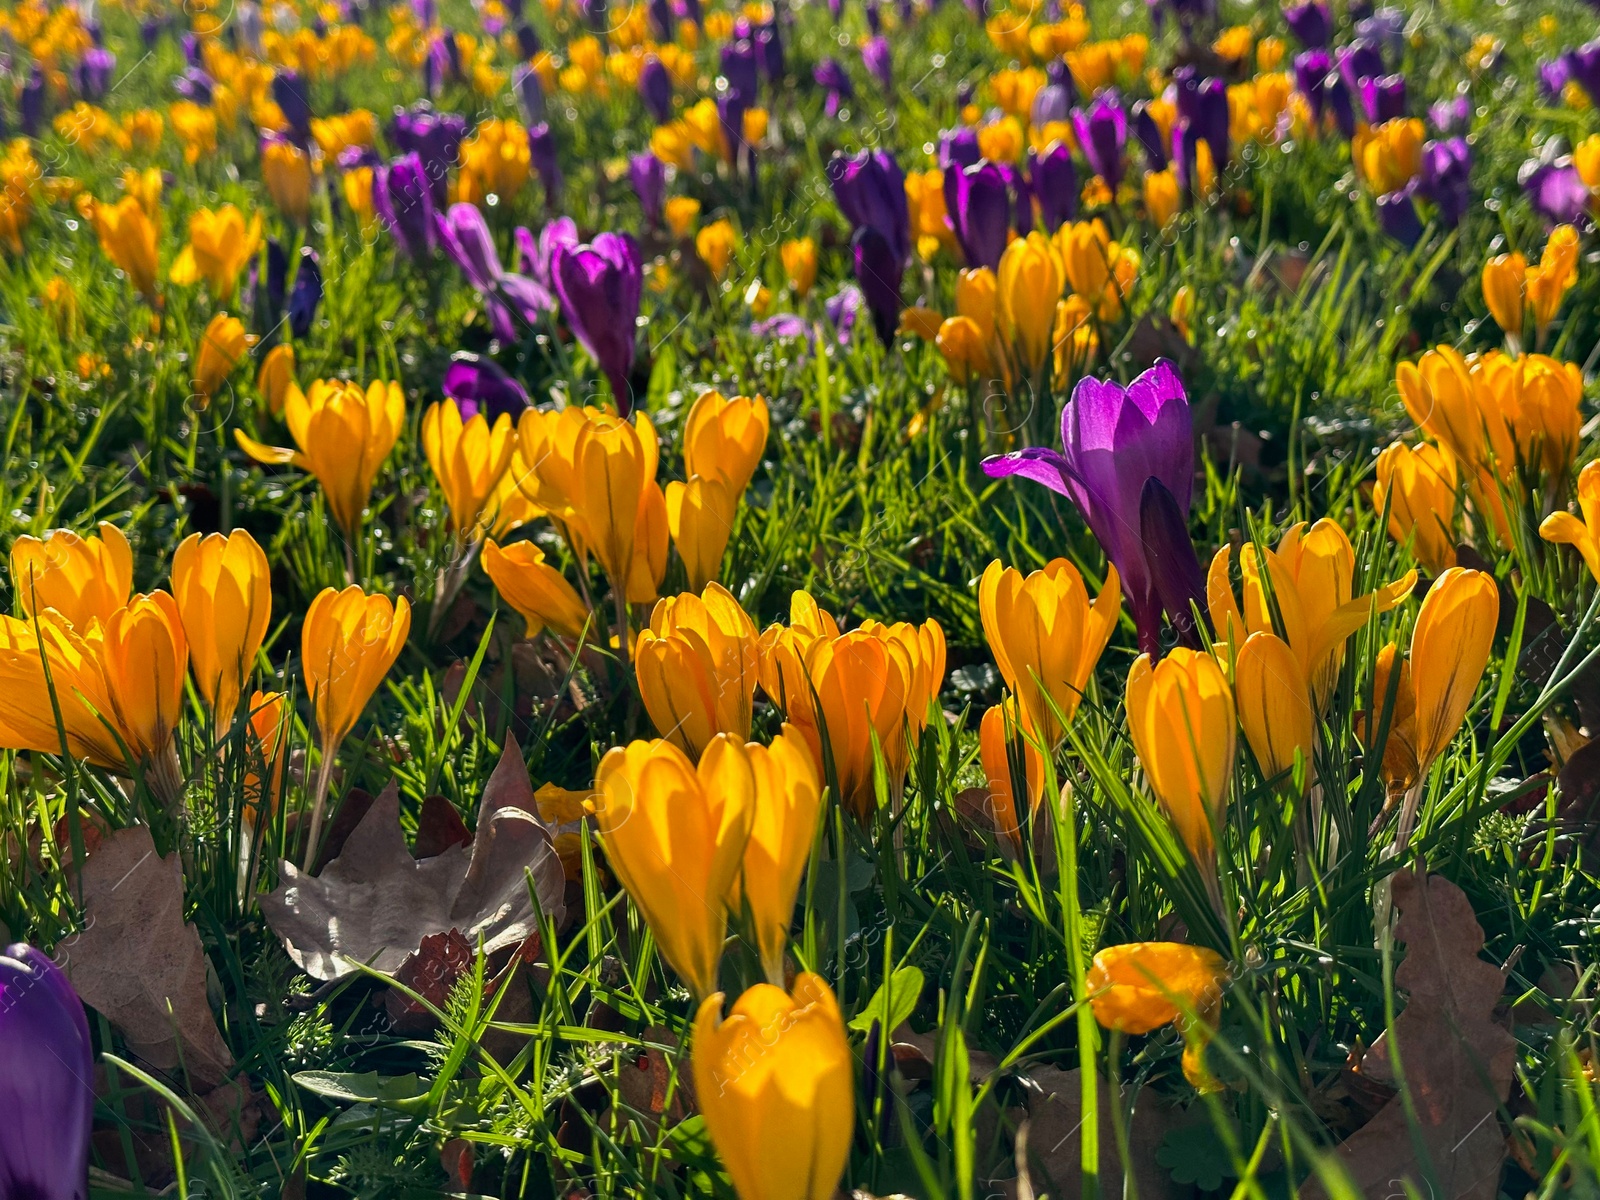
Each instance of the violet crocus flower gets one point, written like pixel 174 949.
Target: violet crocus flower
pixel 1451 116
pixel 1360 60
pixel 1384 97
pixel 662 22
pixel 530 94
pixel 769 51
pixel 979 207
pixel 1397 215
pixel 1148 132
pixel 534 255
pixel 655 89
pixel 731 106
pixel 1180 585
pixel 875 57
pixel 649 176
pixel 478 384
pixel 830 75
pixel 46 1080
pixel 1583 68
pixel 1311 70
pixel 959 148
pixel 1557 191
pixel 289 91
pixel 195 84
pixel 1052 105
pixel 1202 105
pixel 1554 75
pixel 94 72
pixel 738 64
pixel 1446 178
pixel 1102 134
pixel 464 234
pixel 528 43
pixel 1386 29
pixel 878 271
pixel 1311 23
pixel 600 286
pixel 542 154
pixel 1339 101
pixel 1055 183
pixel 436 140
pixel 871 192
pixel 1021 190
pixel 306 293
pixel 30 104
pixel 403 199
pixel 1113 440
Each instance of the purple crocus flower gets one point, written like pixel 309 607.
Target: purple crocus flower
pixel 1338 98
pixel 878 271
pixel 464 234
pixel 46 1080
pixel 649 176
pixel 94 72
pixel 530 94
pixel 1397 215
pixel 477 384
pixel 30 104
pixel 662 22
pixel 1149 135
pixel 249 26
pixel 1446 178
pixel 1202 106
pixel 436 139
pixel 306 294
pixel 528 43
pixel 1557 191
pixel 1311 23
pixel 1113 440
pixel 1451 116
pixel 542 154
pixel 150 31
pixel 655 89
pixel 1055 183
pixel 195 84
pixel 871 192
pixel 1102 134
pixel 403 199
pixel 598 14
pixel 1358 61
pixel 874 17
pixel 769 51
pixel 1384 97
pixel 875 57
pixel 289 91
pixel 534 255
pixel 1180 585
pixel 1052 105
pixel 731 106
pixel 959 148
pixel 1583 67
pixel 1554 75
pixel 1311 69
pixel 1021 190
pixel 831 75
pixel 191 49
pixel 738 63
pixel 600 286
pixel 1386 29
pixel 979 208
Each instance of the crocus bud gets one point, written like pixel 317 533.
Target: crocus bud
pixel 128 235
pixel 306 293
pixel 1549 281
pixel 1450 647
pixel 539 592
pixel 700 515
pixel 965 348
pixel 697 666
pixel 85 579
pixel 715 244
pixel 1397 216
pixel 46 1080
pixel 613 460
pixel 144 656
pixel 349 641
pixel 1503 279
pixel 724 438
pixel 1182 723
pixel 800 264
pixel 1274 704
pixel 649 177
pixel 1055 182
pixel 878 271
pixel 286 170
pixel 1028 284
pixel 223 589
pixel 1161 196
pixel 600 286
pixel 999 741
pixel 1102 132
pixel 1141 986
pixel 1046 638
pixel 1311 22
pixel 342 435
pixel 543 158
pixel 776 1084
pixel 675 836
pixel 276 376
pixel 480 385
pixel 223 346
pixel 980 213
pixel 289 92
pixel 787 799
pixel 875 57
pixel 267 736
pixel 1418 484
pixel 468 458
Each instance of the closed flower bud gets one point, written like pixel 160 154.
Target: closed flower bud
pixel 85 579
pixel 222 347
pixel 700 515
pixel 1274 704
pixel 468 458
pixel 788 798
pixel 775 1081
pixel 724 438
pixel 349 642
pixel 965 350
pixel 1418 484
pixel 697 665
pixel 534 588
pixel 1046 638
pixel 128 235
pixel 976 298
pixel 1142 986
pixel 613 462
pixel 342 434
pixel 286 170
pixel 1076 340
pixel 800 264
pixel 715 244
pixel 998 735
pixel 144 655
pixel 1181 720
pixel 276 377
pixel 651 534
pixel 1548 283
pixel 1450 647
pixel 1161 196
pixel 919 322
pixel 221 245
pixel 223 590
pixel 675 836
pixel 1028 285
pixel 1504 277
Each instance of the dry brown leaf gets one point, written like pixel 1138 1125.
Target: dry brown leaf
pixel 375 903
pixel 1055 1123
pixel 1455 1059
pixel 139 965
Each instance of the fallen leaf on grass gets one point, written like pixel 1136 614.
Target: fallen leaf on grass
pixel 1055 1139
pixel 375 903
pixel 1455 1059
pixel 139 965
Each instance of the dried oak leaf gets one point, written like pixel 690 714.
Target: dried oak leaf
pixel 1455 1059
pixel 139 965
pixel 375 903
pixel 1055 1123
